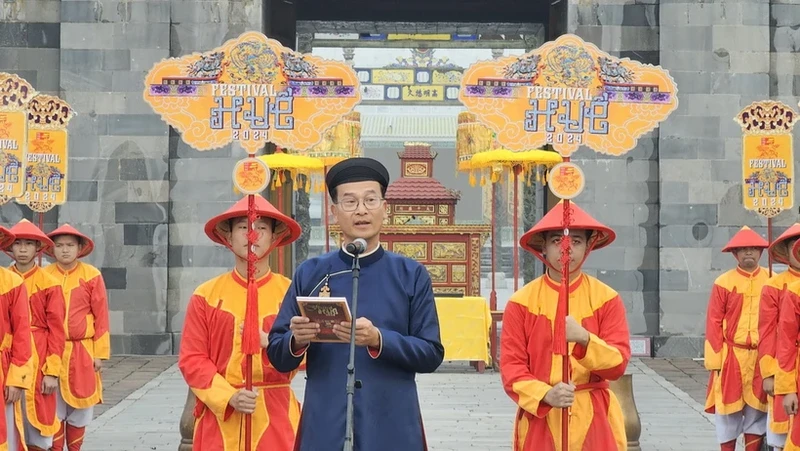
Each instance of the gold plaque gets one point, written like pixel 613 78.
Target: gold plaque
pixel 450 251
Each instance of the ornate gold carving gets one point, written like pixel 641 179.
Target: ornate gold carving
pixel 450 251
pixel 444 209
pixel 416 169
pixel 444 221
pixel 449 290
pixel 417 251
pixel 459 273
pixel 438 273
pixel 413 208
pixel 412 220
pixel 385 245
pixel 475 266
pixel 766 117
pixel 769 212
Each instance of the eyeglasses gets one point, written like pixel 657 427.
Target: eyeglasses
pixel 351 204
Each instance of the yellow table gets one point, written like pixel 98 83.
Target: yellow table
pixel 464 324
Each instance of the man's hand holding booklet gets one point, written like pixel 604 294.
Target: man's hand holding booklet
pixel 327 312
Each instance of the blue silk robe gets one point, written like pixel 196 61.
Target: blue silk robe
pixel 395 293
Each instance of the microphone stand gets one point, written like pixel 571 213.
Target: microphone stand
pixel 352 383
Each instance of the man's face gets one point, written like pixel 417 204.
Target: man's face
pixel 66 249
pixel 748 257
pixel 552 249
pixel 793 261
pixel 238 236
pixel 359 209
pixel 24 250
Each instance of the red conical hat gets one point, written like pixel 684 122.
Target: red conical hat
pixel 796 250
pixel 534 239
pixel 26 230
pixel 285 228
pixel 779 249
pixel 746 237
pixel 66 229
pixel 7 238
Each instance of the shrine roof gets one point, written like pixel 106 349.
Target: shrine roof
pixel 417 153
pixel 420 188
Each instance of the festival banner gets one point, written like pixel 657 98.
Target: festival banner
pixel 568 93
pixel 15 94
pixel 251 90
pixel 767 157
pixel 46 162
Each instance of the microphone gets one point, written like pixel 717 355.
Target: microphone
pixel 358 246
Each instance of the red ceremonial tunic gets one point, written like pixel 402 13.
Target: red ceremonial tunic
pixel 529 369
pixel 87 334
pixel 213 366
pixel 788 356
pixel 47 327
pixel 768 314
pixel 731 345
pixel 16 345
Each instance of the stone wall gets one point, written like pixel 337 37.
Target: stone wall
pixel 623 192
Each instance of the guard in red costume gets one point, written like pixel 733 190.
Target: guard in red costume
pixel 735 390
pixel 769 312
pixel 87 335
pixel 47 325
pixel 788 356
pixel 596 329
pixel 15 351
pixel 211 357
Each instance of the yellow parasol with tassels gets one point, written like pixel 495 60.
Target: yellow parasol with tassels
pixel 341 142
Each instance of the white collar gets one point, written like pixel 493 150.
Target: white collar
pixel 344 249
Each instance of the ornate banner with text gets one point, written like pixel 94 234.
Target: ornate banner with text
pixel 251 90
pixel 568 93
pixel 767 157
pixel 15 94
pixel 48 155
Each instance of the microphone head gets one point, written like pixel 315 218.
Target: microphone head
pixel 361 243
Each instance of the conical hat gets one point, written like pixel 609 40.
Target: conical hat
pixel 285 228
pixel 7 238
pixel 534 239
pixel 28 231
pixel 746 237
pixel 66 229
pixel 779 249
pixel 796 250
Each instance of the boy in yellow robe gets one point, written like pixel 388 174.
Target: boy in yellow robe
pixel 735 390
pixel 211 358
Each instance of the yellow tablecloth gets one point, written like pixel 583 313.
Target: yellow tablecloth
pixel 464 324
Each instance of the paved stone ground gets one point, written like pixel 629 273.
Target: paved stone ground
pixel 462 410
pixel 689 375
pixel 122 375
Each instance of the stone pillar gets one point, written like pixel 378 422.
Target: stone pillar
pixel 623 192
pixel 118 160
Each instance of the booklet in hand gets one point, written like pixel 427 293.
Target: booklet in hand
pixel 325 311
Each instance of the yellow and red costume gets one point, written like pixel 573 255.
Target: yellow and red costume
pixel 731 349
pixel 86 326
pixel 788 352
pixel 768 314
pixel 15 349
pixel 529 368
pixel 211 358
pixel 46 303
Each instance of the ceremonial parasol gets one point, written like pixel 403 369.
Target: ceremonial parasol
pixel 568 93
pixel 340 143
pixel 252 91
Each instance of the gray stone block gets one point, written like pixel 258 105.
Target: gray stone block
pixel 114 278
pixel 145 59
pixel 153 279
pixel 83 148
pixel 693 60
pixel 674 192
pixel 609 258
pixel 139 212
pixel 144 36
pixel 82 191
pixel 195 191
pixel 132 147
pixel 86 35
pixel 145 322
pixel 611 214
pixel 674 280
pixel 740 84
pixel 82 169
pixel 9 58
pixel 76 212
pixel 134 256
pixel 143 169
pixel 691 126
pixel 642 171
pixel 148 191
pixel 117 59
pixel 710 105
pixel 114 190
pixel 630 280
pixel 185 234
pixel 42 10
pixel 201 169
pixel 784 15
pixel 179 149
pixel 142 344
pixel 126 81
pixel 82 11
pixel 79 80
pixel 644 258
pixel 678 346
pixel 691 82
pixel 201 256
pixel 136 125
pixel 144 234
pixel 686 38
pixel 137 300
pixel 689 214
pixel 696 235
pixel 680 170
pixel 40 59
pixel 683 312
pixel 753 62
